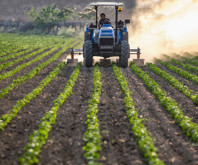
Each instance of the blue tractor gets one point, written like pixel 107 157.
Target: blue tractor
pixel 107 41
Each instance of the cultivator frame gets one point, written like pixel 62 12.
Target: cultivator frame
pixel 137 52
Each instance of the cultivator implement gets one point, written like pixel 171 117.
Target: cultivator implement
pixel 74 51
pixel 138 61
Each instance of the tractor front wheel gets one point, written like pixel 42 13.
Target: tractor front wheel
pixel 88 57
pixel 125 54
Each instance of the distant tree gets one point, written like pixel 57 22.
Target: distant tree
pixel 49 16
pixel 88 13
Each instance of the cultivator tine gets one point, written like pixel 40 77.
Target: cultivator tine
pixel 138 61
pixel 72 53
pixel 136 51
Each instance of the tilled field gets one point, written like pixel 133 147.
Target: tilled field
pixel 70 114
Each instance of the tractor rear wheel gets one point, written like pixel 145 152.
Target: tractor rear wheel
pixel 88 57
pixel 125 54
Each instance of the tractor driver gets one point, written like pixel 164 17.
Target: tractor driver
pixel 103 20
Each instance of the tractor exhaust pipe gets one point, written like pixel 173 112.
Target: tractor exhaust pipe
pixel 116 23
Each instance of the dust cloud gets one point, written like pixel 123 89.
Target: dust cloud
pixel 160 26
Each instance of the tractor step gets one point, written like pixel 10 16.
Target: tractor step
pixel 139 62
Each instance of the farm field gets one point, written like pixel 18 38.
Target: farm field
pixel 57 113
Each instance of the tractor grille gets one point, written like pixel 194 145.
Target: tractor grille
pixel 106 41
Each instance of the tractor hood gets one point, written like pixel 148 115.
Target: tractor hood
pixel 106 38
pixel 106 31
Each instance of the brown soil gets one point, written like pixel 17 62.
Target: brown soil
pixel 21 62
pixel 16 134
pixel 23 89
pixel 16 57
pixel 65 140
pixel 7 81
pixel 186 82
pixel 186 105
pixel 173 146
pixel 179 66
pixel 119 145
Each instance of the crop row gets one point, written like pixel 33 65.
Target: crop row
pixel 7 51
pixel 145 142
pixel 92 135
pixel 191 61
pixel 188 127
pixel 187 66
pixel 194 56
pixel 179 71
pixel 174 82
pixel 9 63
pixel 24 65
pixel 5 58
pixel 33 72
pixel 13 43
pixel 38 138
pixel 6 45
pixel 5 119
pixel 26 51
